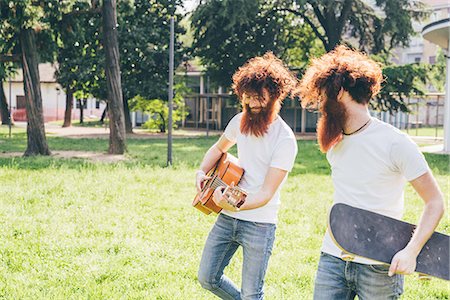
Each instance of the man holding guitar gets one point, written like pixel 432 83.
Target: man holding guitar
pixel 266 151
pixel 370 164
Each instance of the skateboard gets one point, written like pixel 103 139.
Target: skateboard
pixel 371 235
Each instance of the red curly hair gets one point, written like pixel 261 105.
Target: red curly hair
pixel 260 73
pixel 341 68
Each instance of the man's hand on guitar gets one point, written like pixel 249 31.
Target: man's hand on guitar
pixel 403 262
pixel 200 178
pixel 227 197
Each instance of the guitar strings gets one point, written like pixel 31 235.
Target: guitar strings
pixel 219 182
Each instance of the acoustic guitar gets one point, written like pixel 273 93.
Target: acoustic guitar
pixel 224 172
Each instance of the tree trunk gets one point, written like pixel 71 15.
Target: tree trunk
pixel 81 104
pixel 162 127
pixel 333 41
pixel 117 135
pixel 69 107
pixel 102 119
pixel 128 125
pixel 4 109
pixel 36 140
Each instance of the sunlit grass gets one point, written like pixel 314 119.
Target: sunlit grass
pixel 74 229
pixel 426 131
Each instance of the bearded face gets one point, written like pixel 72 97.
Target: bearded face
pixel 331 124
pixel 258 112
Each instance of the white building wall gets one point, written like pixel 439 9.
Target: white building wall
pixel 53 102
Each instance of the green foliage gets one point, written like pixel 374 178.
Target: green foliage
pixel 228 33
pixel 80 53
pixel 158 109
pixel 401 82
pixel 437 78
pixel 342 22
pixel 144 31
pixel 16 16
pixel 301 46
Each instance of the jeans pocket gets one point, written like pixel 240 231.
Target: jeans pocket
pixel 380 269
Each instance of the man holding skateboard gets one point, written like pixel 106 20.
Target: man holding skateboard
pixel 266 151
pixel 370 163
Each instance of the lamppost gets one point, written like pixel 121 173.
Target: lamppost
pixel 58 91
pixel 10 109
pixel 171 71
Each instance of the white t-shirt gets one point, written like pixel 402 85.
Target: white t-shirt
pixel 369 171
pixel 277 148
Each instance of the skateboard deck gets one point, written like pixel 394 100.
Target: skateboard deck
pixel 378 237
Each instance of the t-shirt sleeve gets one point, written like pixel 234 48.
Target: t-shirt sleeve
pixel 232 129
pixel 408 159
pixel 284 154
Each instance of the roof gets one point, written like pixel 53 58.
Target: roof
pixel 46 73
pixel 436 2
pixel 438 32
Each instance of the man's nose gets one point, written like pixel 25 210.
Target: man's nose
pixel 254 103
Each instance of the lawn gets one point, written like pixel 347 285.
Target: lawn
pixel 426 131
pixel 73 229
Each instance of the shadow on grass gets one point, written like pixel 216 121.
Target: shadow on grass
pixel 439 163
pixel 187 152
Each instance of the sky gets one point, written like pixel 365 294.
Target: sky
pixel 189 5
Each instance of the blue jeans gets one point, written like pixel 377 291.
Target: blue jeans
pixel 339 279
pixel 224 239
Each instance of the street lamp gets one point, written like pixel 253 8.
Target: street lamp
pixel 10 109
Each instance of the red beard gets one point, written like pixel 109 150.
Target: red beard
pixel 257 123
pixel 331 124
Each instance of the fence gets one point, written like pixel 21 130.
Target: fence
pixel 426 116
pixel 214 111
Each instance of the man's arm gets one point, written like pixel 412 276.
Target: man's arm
pixel 211 157
pixel 272 181
pixel 404 262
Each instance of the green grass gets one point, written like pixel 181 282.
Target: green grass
pixel 73 229
pixel 426 131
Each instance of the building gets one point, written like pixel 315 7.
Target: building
pixel 53 97
pixel 213 108
pixel 421 50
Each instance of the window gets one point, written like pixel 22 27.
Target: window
pixel 432 59
pixel 97 104
pixel 78 101
pixel 20 102
pixel 417 59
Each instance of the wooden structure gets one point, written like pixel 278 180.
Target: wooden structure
pixel 214 111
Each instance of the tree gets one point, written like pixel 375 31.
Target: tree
pixel 24 25
pixel 143 46
pixel 227 33
pixel 4 109
pixel 79 54
pixel 437 79
pixel 376 28
pixel 401 82
pixel 159 112
pixel 113 81
pixel 7 69
pixel 144 53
